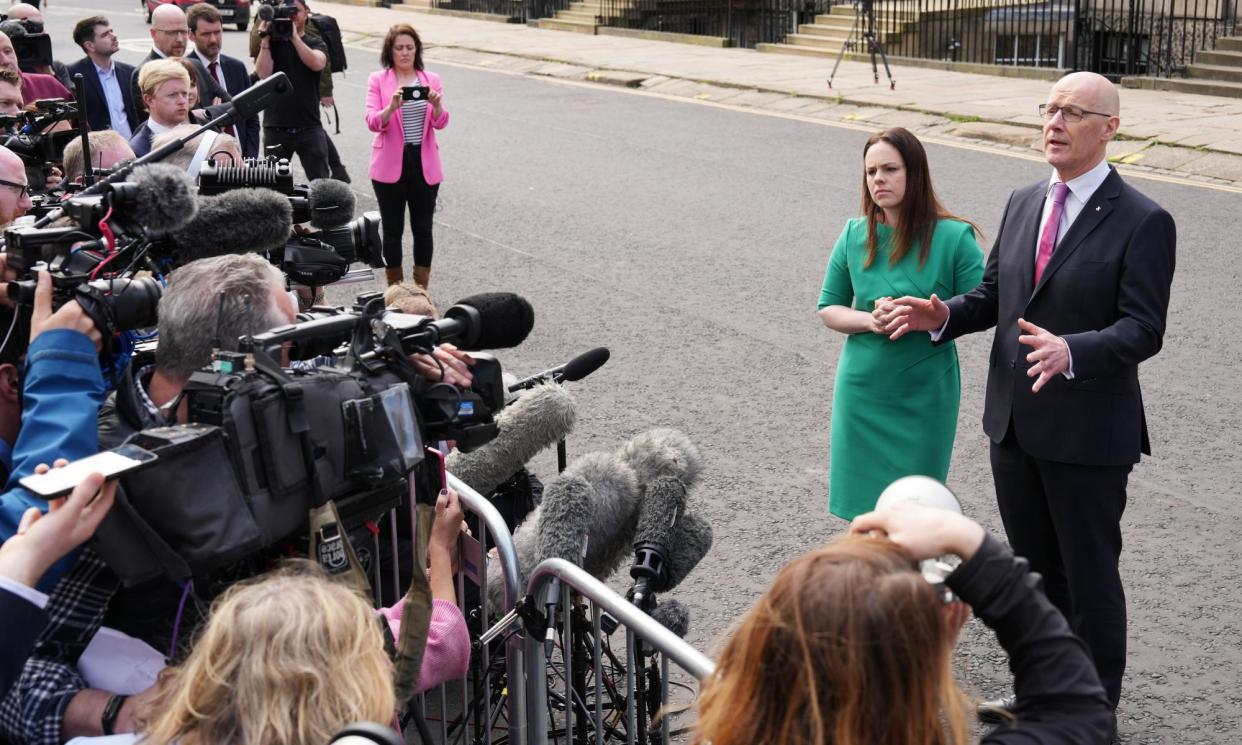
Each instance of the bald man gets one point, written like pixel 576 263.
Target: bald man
pixel 14 196
pixel 35 86
pixel 1077 287
pixel 170 34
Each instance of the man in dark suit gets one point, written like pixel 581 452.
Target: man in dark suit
pixel 207 32
pixel 1077 286
pixel 171 34
pixel 109 94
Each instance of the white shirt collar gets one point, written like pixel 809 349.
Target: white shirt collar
pixel 156 128
pixel 204 58
pixel 158 53
pixel 1084 186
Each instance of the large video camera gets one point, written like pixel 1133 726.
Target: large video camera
pixel 313 258
pixel 265 445
pixel 279 14
pixel 26 133
pixel 32 45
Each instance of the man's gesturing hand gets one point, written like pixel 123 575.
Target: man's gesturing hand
pixel 915 314
pixel 1050 357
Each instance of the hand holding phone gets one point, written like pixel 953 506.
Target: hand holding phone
pixel 58 482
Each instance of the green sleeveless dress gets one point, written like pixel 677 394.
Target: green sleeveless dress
pixel 894 405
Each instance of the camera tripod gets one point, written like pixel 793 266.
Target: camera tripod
pixel 864 13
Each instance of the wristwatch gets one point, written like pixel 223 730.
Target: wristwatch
pixel 111 711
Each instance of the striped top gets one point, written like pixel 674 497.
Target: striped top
pixel 413 121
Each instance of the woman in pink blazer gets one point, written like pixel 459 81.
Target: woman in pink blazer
pixel 405 107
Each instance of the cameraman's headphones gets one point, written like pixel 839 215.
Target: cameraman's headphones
pixel 366 733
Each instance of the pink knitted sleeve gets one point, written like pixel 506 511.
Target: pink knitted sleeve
pixel 447 655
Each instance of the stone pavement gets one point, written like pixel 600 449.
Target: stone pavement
pixel 1186 135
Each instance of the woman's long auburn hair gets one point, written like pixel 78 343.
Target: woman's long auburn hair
pixel 390 39
pixel 288 659
pixel 849 646
pixel 920 207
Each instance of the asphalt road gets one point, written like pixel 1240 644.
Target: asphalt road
pixel 692 241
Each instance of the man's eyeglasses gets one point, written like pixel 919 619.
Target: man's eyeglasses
pixel 23 189
pixel 1070 114
pixel 174 31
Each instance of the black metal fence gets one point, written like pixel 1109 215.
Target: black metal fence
pixel 514 10
pixel 1112 37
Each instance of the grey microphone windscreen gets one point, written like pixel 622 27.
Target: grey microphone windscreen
pixel 235 222
pixel 534 421
pixel 692 539
pixel 662 452
pixel 673 616
pixel 331 203
pixel 164 198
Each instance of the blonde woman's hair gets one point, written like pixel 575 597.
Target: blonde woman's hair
pixel 157 72
pixel 288 659
pixel 411 297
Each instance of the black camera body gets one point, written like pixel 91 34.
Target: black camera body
pixel 279 14
pixel 32 45
pixel 26 133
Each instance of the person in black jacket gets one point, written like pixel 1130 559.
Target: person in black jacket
pixel 109 92
pixel 853 644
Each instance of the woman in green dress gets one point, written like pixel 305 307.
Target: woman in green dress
pixel 894 405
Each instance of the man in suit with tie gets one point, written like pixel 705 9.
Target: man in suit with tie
pixel 109 96
pixel 1077 286
pixel 207 31
pixel 171 35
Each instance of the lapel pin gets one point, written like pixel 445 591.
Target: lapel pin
pixel 1097 208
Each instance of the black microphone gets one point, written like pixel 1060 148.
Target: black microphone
pixel 330 202
pixel 527 426
pixel 489 320
pixel 235 222
pixel 13 29
pixel 576 369
pixel 255 99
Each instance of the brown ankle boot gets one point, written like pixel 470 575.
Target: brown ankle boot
pixel 422 276
pixel 394 275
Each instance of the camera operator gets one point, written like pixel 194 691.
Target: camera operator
pixel 27 20
pixel 170 34
pixel 14 188
pixel 35 86
pixel 109 91
pixel 108 148
pixel 294 127
pixel 10 95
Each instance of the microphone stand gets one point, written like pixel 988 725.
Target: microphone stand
pixel 79 95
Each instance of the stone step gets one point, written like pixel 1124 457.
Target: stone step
pixel 827 32
pixel 833 21
pixel 817 42
pixel 1219 58
pixel 555 24
pixel 1218 73
pixel 1180 85
pixel 1229 44
pixel 579 16
pixel 802 51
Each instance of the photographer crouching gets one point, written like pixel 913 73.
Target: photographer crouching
pixel 293 128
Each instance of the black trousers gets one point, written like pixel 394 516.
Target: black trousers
pixel 307 143
pixel 1066 520
pixel 410 192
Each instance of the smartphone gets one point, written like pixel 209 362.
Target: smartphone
pixel 438 473
pixel 111 463
pixel 415 92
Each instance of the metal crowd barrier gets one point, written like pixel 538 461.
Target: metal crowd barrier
pixel 589 723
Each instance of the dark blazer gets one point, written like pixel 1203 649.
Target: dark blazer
pixel 21 623
pixel 98 115
pixel 1106 292
pixel 237 79
pixel 208 88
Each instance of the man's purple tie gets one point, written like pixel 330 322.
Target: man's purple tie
pixel 214 68
pixel 1048 241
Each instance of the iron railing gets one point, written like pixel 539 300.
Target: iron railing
pixel 513 10
pixel 1112 37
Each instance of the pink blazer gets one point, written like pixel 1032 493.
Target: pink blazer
pixel 386 149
